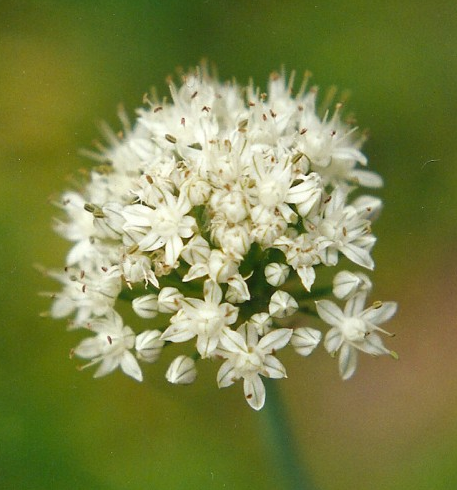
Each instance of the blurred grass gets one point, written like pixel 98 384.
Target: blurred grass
pixel 64 65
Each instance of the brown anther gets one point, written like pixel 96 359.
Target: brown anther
pixel 157 109
pixel 248 397
pixel 170 138
pixel 264 117
pixel 183 121
pixel 83 289
pixel 251 104
pixel 329 198
pixel 205 108
pixel 300 108
pixel 110 340
pixel 303 131
pixel 273 114
pixel 82 274
pixel 149 179
pixel 104 269
pixel 242 125
pixel 333 133
pixel 194 95
pixel 345 232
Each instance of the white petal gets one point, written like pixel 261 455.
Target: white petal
pixel 333 340
pixel 254 391
pixel 130 366
pixel 107 365
pixel 226 375
pixel 347 361
pixel 178 332
pixel 206 345
pixel 307 275
pixel 275 340
pixel 373 345
pixel 329 312
pixel 212 292
pixel 274 368
pixel 358 255
pixel 233 341
pixel 173 249
pixel 380 315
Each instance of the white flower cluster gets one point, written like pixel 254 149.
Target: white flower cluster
pixel 216 210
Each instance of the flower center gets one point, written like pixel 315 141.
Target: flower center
pixel 353 329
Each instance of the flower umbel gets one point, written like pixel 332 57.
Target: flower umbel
pixel 212 217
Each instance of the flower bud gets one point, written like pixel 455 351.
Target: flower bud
pixel 182 371
pixel 149 345
pixel 305 339
pixel 169 300
pixel 282 304
pixel 145 306
pixel 221 266
pixel 346 284
pixel 276 274
pixel 262 322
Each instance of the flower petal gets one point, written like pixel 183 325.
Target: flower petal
pixel 347 361
pixel 330 312
pixel 130 366
pixel 254 391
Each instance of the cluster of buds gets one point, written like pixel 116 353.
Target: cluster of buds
pixel 217 209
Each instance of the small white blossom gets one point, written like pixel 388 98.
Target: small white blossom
pixel 110 347
pixel 354 329
pixel 248 357
pixel 205 319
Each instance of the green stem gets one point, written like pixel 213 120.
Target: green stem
pixel 279 435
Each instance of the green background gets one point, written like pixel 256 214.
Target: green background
pixel 65 65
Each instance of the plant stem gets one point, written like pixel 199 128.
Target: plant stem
pixel 281 441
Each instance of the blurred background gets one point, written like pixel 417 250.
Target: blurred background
pixel 64 65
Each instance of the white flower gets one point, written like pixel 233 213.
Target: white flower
pixel 216 208
pixel 247 358
pixel 205 319
pixel 354 329
pixel 110 347
pixel 165 225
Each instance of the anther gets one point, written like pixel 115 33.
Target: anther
pixel 170 138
